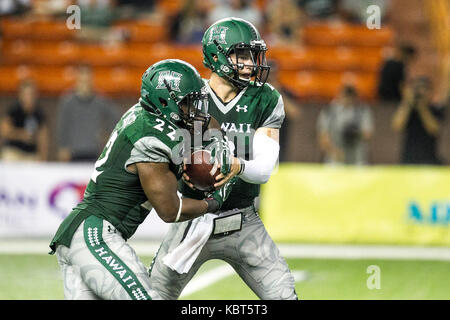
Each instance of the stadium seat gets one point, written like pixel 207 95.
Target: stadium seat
pixel 191 54
pixel 38 52
pixel 343 58
pixel 147 32
pixel 16 52
pixel 37 30
pixel 326 85
pixel 55 53
pixel 118 81
pixel 51 30
pixel 50 80
pixel 142 55
pixel 291 58
pixel 15 28
pixel 53 80
pixel 10 77
pixel 169 7
pixel 332 58
pixel 322 34
pixel 371 38
pixel 99 55
pixel 303 84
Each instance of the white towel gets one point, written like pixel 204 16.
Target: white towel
pixel 182 257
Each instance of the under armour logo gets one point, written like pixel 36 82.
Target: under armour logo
pixel 111 230
pixel 239 108
pixel 218 33
pixel 172 78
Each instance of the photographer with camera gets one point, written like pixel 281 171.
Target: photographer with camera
pixel 344 129
pixel 419 120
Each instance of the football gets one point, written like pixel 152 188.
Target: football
pixel 201 172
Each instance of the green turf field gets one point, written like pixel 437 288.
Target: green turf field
pixel 38 277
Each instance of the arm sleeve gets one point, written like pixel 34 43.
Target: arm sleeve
pixel 265 156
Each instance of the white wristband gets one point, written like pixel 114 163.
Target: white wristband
pixel 179 210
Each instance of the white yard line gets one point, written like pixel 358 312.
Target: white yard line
pixel 206 279
pixel 365 252
pixel 319 251
pixel 300 275
pixel 210 277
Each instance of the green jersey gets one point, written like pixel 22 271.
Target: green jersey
pixel 254 107
pixel 114 193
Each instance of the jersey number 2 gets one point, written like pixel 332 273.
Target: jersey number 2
pixel 102 160
pixel 160 127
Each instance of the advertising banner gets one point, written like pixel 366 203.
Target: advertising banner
pixel 367 205
pixel 36 197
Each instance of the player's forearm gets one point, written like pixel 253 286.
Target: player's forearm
pixel 430 123
pixel 400 117
pixel 192 209
pixel 8 131
pixel 185 209
pixel 265 151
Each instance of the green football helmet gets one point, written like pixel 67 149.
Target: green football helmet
pixel 174 89
pixel 235 36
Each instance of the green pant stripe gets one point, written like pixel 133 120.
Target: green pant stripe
pixel 93 228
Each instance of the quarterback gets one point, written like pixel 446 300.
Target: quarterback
pixel 251 112
pixel 135 173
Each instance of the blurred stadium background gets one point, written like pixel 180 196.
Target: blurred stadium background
pixel 333 223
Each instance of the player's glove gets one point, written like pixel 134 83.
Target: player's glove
pixel 222 150
pixel 216 199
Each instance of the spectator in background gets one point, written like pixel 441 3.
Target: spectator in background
pixel 291 108
pixel 355 11
pixel 188 26
pixel 136 9
pixel 24 129
pixel 14 7
pixel 84 121
pixel 284 22
pixel 419 120
pixel 344 129
pixel 393 73
pixel 243 9
pixel 44 9
pixel 319 9
pixel 97 16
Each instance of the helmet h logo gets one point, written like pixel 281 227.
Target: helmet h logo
pixel 218 33
pixel 173 79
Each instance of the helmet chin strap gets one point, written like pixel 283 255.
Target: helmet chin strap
pixel 171 93
pixel 150 107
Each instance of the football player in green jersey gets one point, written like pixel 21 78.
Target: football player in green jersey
pixel 135 173
pixel 251 112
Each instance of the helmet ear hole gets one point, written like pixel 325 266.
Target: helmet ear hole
pixel 163 102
